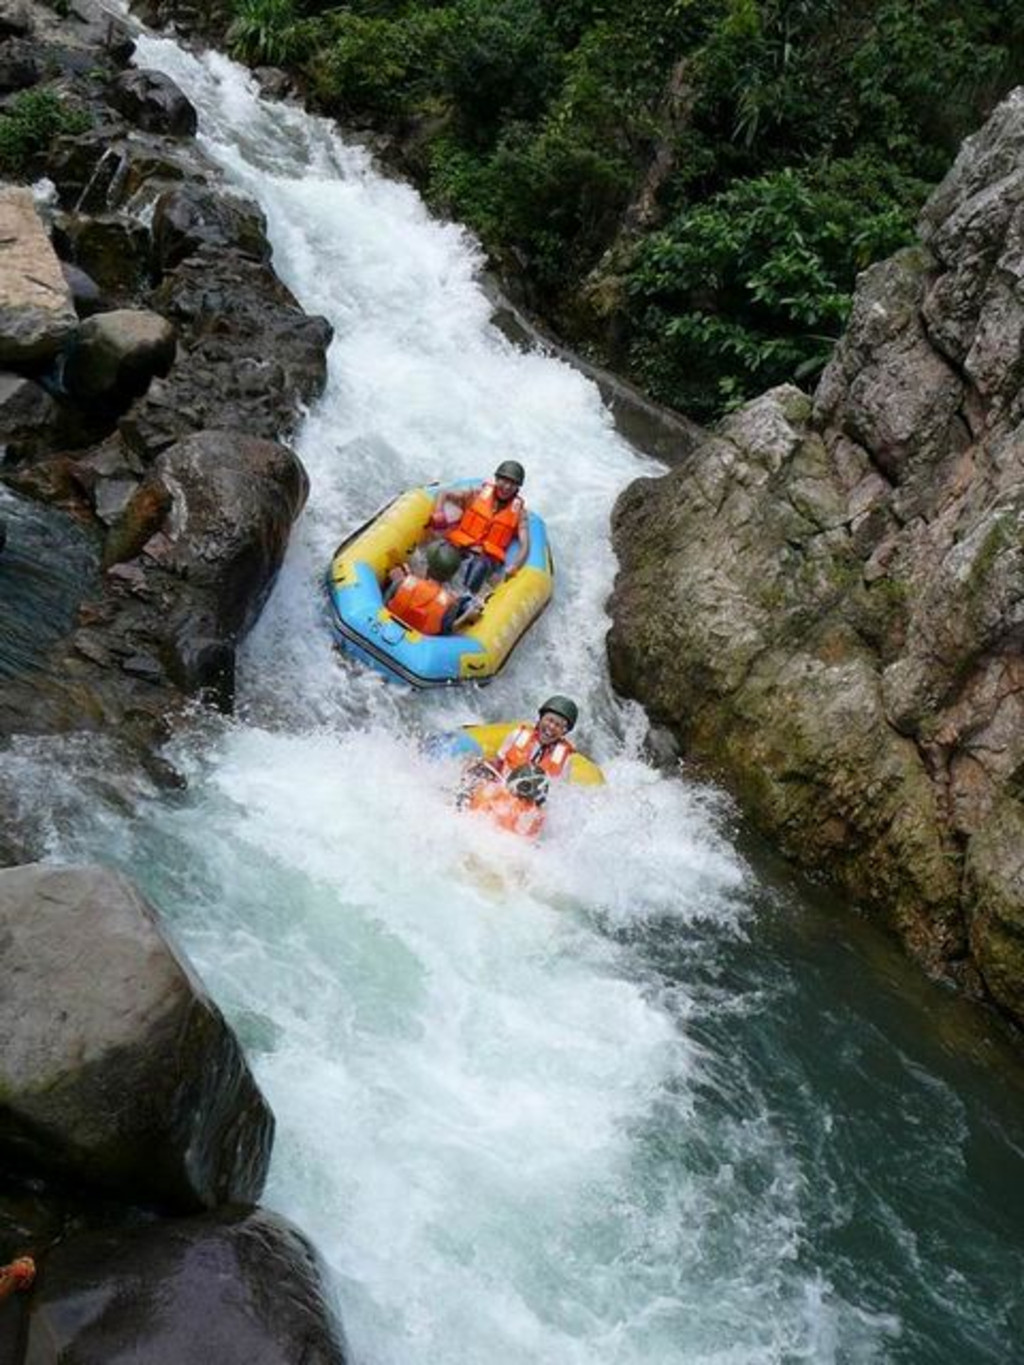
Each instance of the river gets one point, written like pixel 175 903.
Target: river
pixel 628 1098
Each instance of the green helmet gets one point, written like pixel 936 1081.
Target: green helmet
pixel 529 782
pixel 443 561
pixel 562 706
pixel 511 469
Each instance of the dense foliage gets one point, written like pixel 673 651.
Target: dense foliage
pixel 687 186
pixel 27 127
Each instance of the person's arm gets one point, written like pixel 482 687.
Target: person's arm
pixel 461 497
pixel 522 554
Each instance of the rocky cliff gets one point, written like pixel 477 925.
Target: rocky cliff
pixel 826 602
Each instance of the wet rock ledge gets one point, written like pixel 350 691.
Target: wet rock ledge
pixel 826 603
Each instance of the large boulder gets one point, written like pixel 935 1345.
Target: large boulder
pixel 36 309
pixel 827 601
pixel 153 102
pixel 190 216
pixel 116 354
pixel 238 1287
pixel 215 511
pixel 118 1072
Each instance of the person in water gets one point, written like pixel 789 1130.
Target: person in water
pixel 515 802
pixel 493 516
pixel 428 604
pixel 545 743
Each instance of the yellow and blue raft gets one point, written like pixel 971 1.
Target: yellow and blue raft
pixel 365 628
pixel 482 742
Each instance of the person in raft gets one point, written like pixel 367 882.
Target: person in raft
pixel 493 516
pixel 515 803
pixel 544 743
pixel 428 604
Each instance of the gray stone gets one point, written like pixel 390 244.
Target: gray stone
pixel 117 1071
pixel 118 353
pixel 239 1287
pixel 192 216
pixel 153 102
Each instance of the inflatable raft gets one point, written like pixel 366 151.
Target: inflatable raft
pixel 482 742
pixel 365 628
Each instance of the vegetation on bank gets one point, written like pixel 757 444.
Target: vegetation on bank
pixel 27 127
pixel 688 187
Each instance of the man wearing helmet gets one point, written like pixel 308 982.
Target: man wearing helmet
pixel 545 744
pixel 428 604
pixel 493 516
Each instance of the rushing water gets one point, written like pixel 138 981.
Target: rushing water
pixel 616 1100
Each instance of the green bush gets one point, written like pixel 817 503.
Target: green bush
pixel 269 32
pixel 752 287
pixel 376 66
pixel 29 125
pixel 501 64
pixel 780 144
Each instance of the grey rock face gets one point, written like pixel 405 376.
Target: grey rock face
pixel 116 354
pixel 239 1287
pixel 828 603
pixel 215 513
pixel 28 415
pixel 117 1070
pixel 195 215
pixel 152 101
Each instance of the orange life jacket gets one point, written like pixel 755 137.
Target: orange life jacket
pixel 488 525
pixel 523 746
pixel 507 810
pixel 421 604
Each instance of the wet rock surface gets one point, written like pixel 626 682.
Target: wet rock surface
pixel 118 1072
pixel 827 601
pixel 239 1287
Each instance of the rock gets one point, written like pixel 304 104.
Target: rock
pixel 829 604
pixel 238 1287
pixel 153 102
pixel 19 65
pixel 995 873
pixel 274 83
pixel 110 167
pixel 36 311
pixel 16 19
pixel 192 216
pixel 86 293
pixel 28 415
pixel 248 354
pixel 115 355
pixel 118 1072
pixel 225 502
pixel 113 251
